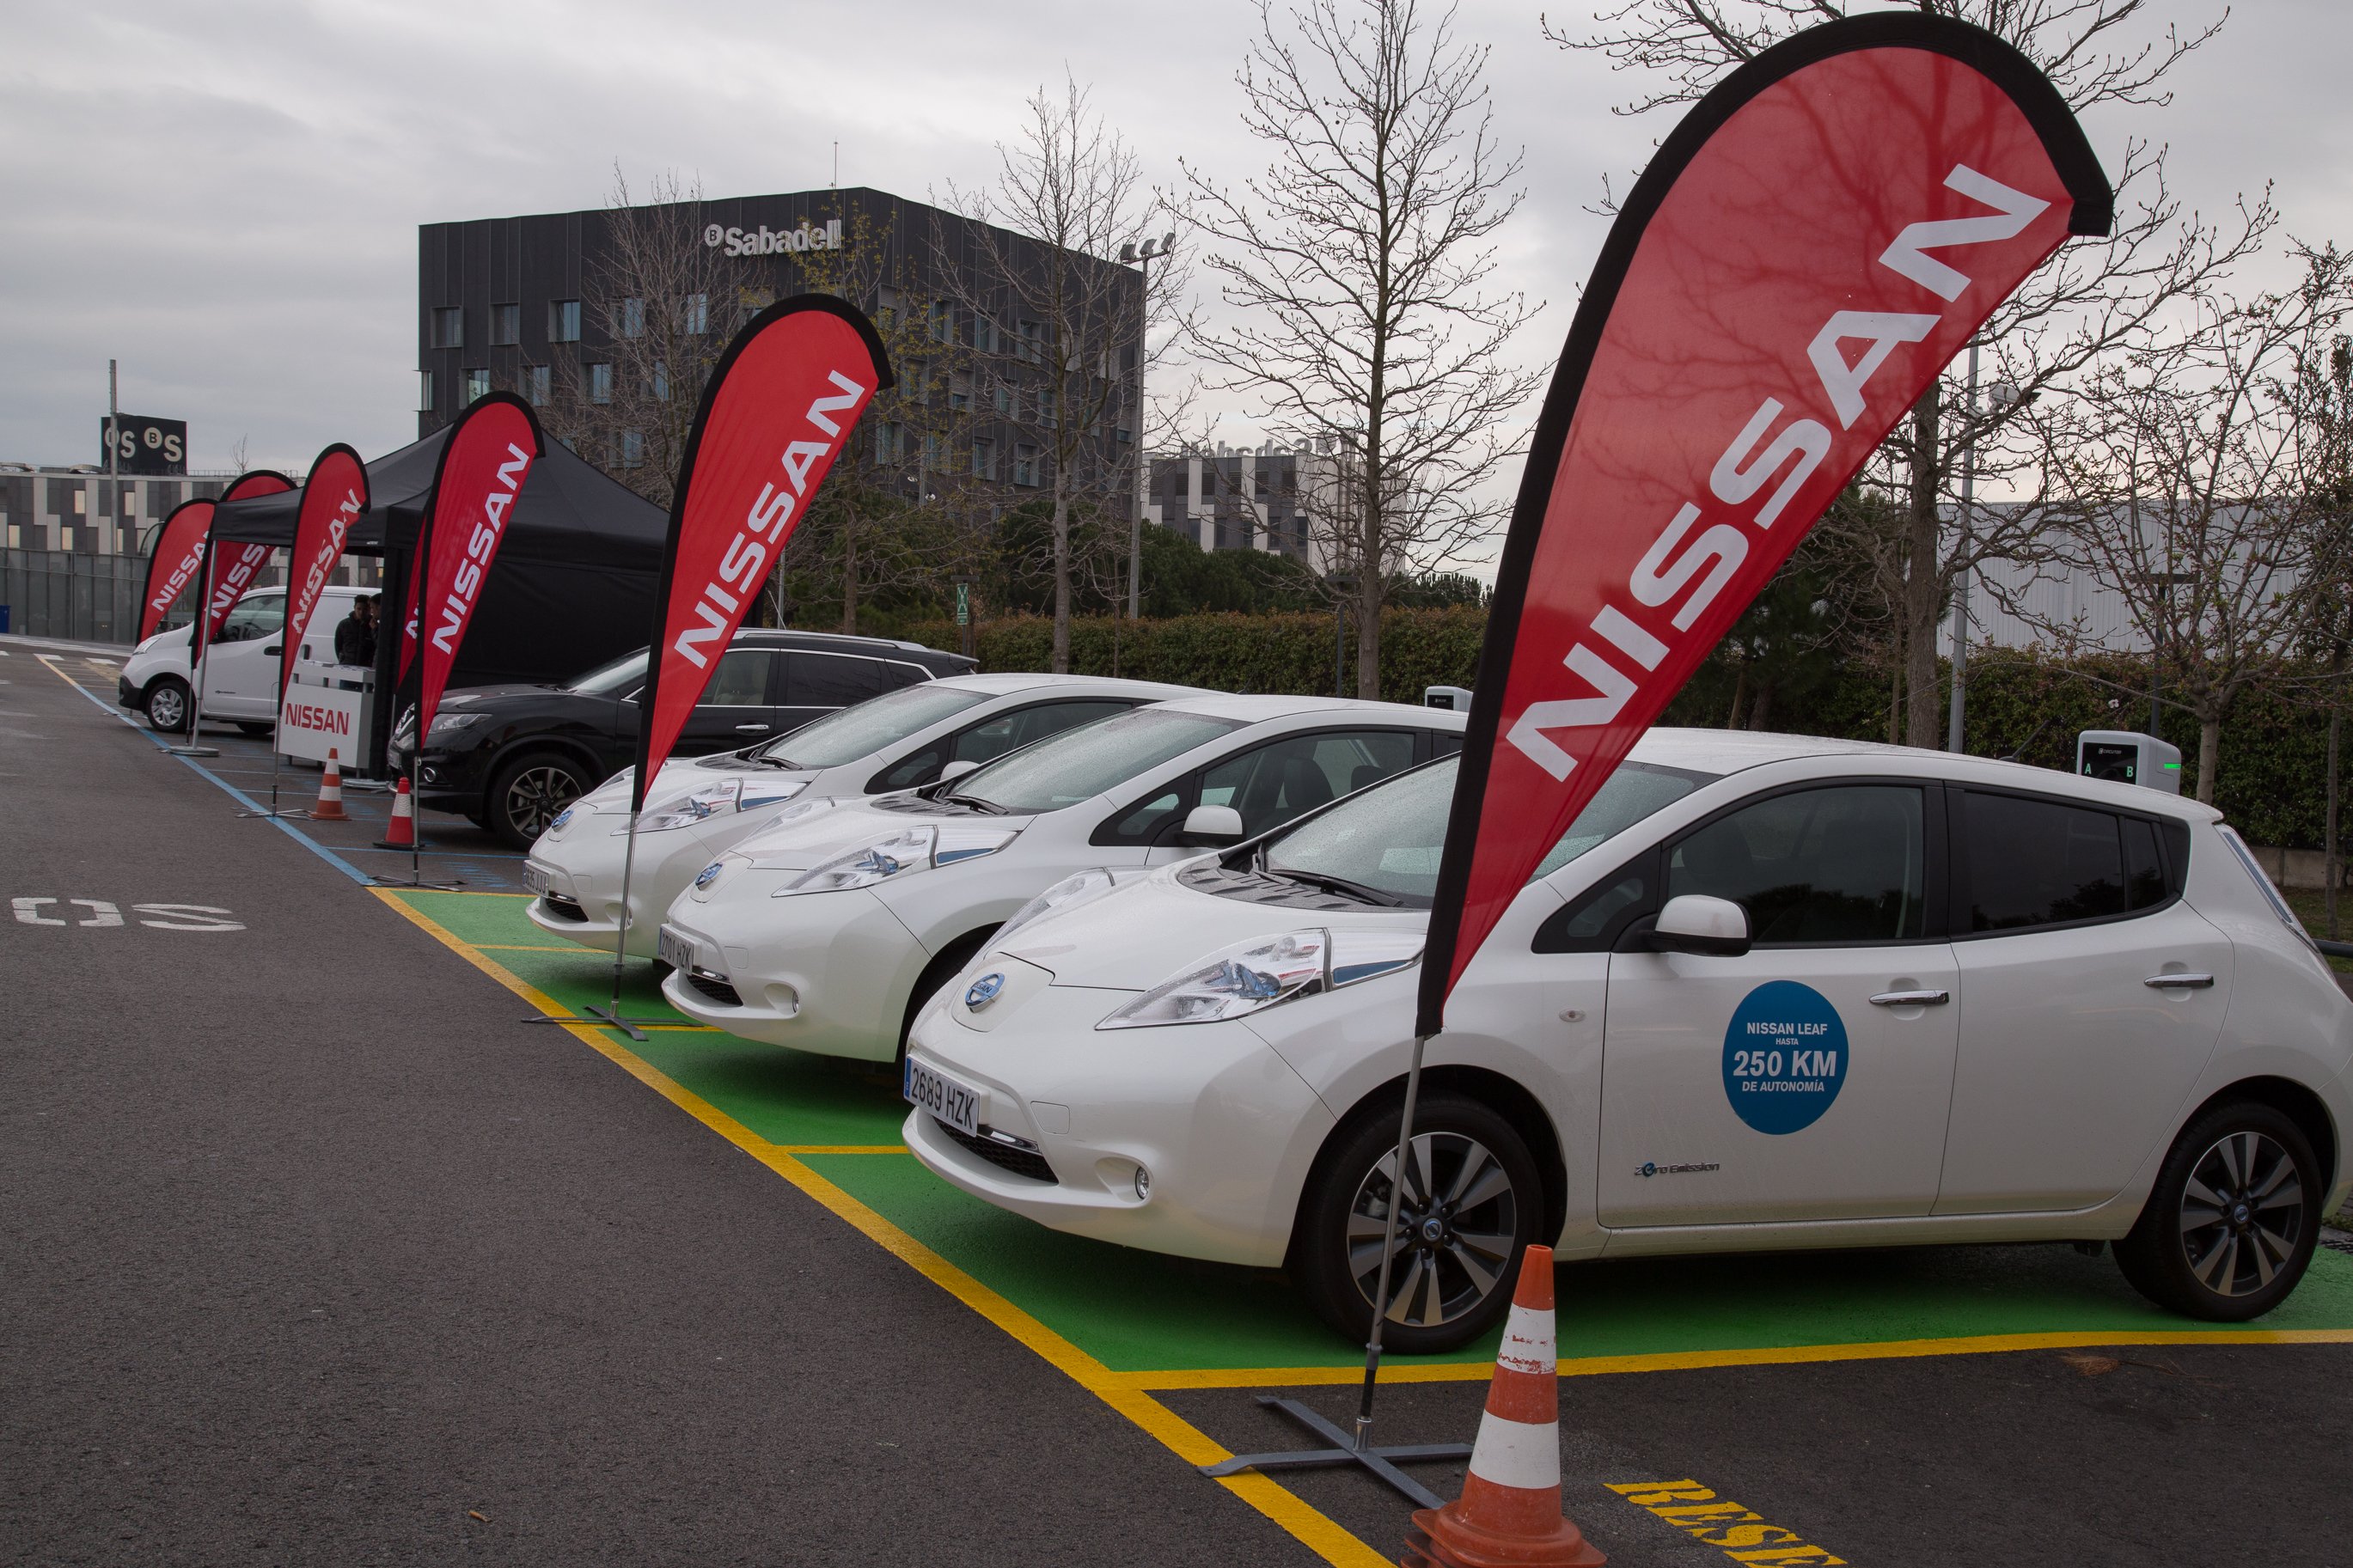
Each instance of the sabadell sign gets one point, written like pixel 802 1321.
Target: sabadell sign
pixel 766 241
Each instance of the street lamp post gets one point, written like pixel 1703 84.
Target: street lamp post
pixel 1141 257
pixel 2000 396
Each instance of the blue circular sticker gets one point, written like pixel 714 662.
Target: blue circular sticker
pixel 1784 1056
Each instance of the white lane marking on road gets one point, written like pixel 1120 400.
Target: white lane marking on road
pixel 101 913
pixel 104 914
pixel 28 912
pixel 189 916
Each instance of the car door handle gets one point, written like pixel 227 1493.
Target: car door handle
pixel 2180 982
pixel 1911 998
pixel 756 729
pixel 275 648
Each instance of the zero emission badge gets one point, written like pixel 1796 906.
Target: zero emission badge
pixel 1784 1056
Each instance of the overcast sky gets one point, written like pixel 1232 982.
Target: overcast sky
pixel 226 197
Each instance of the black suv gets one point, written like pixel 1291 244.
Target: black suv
pixel 509 757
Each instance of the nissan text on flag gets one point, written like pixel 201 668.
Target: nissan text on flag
pixel 701 807
pixel 1766 992
pixel 827 930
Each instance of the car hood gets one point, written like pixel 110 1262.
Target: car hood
pixel 803 842
pixel 1145 933
pixel 681 776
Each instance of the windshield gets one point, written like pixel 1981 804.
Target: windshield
pixel 866 729
pixel 618 679
pixel 1080 765
pixel 1389 836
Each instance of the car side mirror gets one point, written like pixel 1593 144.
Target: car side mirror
pixel 1208 826
pixel 1696 924
pixel 957 769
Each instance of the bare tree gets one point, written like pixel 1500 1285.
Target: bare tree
pixel 2186 458
pixel 1356 269
pixel 665 305
pixel 2094 298
pixel 1056 325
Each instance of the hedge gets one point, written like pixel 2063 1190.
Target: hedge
pixel 2273 755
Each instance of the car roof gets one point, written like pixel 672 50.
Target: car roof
pixel 1004 683
pixel 1258 709
pixel 845 642
pixel 1726 751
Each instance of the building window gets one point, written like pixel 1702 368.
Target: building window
pixel 534 385
pixel 1025 465
pixel 477 387
pixel 564 320
pixel 506 326
pixel 984 334
pixel 450 327
pixel 633 448
pixel 600 384
pixel 983 459
pixel 697 315
pixel 1032 346
pixel 943 322
pixel 1045 396
pixel 959 391
pixel 889 437
pixel 425 391
pixel 1001 395
pixel 886 307
pixel 932 451
pixel 662 380
pixel 633 319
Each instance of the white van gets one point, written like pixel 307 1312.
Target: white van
pixel 240 667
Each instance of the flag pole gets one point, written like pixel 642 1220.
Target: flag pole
pixel 203 647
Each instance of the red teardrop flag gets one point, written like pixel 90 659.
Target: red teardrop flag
pixel 334 496
pixel 1821 234
pixel 776 413
pixel 230 568
pixel 476 489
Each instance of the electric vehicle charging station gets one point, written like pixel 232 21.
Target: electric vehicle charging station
pixel 1452 697
pixel 2127 756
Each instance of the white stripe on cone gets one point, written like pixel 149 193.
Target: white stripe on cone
pixel 1528 1343
pixel 1516 1453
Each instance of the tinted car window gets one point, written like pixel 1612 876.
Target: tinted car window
pixel 254 618
pixel 2044 862
pixel 837 680
pixel 740 680
pixel 1836 864
pixel 2144 883
pixel 618 679
pixel 992 738
pixel 1084 762
pixel 1294 775
pixel 859 732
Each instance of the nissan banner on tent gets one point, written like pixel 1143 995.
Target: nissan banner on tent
pixel 483 466
pixel 334 496
pixel 232 568
pixel 1822 233
pixel 776 413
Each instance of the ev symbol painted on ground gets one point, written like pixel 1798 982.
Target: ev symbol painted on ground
pixel 103 913
pixel 1784 1057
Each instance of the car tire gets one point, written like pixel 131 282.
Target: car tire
pixel 526 793
pixel 2232 1223
pixel 167 704
pixel 256 726
pixel 1447 1287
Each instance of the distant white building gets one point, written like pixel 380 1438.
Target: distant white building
pixel 1275 498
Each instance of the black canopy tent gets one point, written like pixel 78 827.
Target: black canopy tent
pixel 574 585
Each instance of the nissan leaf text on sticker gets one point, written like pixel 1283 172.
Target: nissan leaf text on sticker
pixel 1766 992
pixel 697 807
pixel 824 932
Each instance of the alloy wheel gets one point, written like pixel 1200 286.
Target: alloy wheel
pixel 534 796
pixel 167 709
pixel 1460 1214
pixel 2242 1214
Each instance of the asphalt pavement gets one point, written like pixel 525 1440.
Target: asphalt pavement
pixel 311 1253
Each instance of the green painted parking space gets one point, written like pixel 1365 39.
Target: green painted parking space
pixel 1138 1313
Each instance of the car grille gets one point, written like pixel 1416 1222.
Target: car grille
pixel 561 907
pixel 1004 1156
pixel 716 988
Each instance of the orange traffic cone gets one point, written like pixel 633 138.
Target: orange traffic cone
pixel 402 833
pixel 1509 1514
pixel 329 808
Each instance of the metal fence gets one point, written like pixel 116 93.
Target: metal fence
pixel 64 594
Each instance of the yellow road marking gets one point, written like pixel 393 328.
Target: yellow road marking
pixel 1764 1356
pixel 841 1148
pixel 1187 1442
pixel 1742 1533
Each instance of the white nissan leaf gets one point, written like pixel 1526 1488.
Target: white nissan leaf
pixel 698 806
pixel 1769 991
pixel 824 932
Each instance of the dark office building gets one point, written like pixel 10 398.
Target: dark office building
pixel 527 304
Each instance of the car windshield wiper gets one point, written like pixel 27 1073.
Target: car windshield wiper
pixel 987 808
pixel 767 761
pixel 1340 885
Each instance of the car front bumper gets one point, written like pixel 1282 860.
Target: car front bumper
pixel 1226 1130
pixel 828 972
pixel 582 870
pixel 125 694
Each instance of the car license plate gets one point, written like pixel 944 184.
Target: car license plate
pixel 534 880
pixel 956 1104
pixel 675 948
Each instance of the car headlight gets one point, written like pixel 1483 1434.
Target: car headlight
pixel 450 723
pixel 915 849
pixel 708 801
pixel 1252 975
pixel 1084 887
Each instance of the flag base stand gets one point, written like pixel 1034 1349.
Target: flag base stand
pixel 598 1017
pixel 273 811
pixel 416 879
pixel 1382 1462
pixel 192 750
